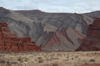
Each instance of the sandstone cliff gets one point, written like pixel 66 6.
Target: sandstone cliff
pixel 9 42
pixel 92 41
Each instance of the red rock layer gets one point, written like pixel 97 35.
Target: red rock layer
pixel 92 41
pixel 9 42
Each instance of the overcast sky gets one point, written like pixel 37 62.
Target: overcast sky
pixel 68 6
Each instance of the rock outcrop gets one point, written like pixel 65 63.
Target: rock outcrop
pixel 92 41
pixel 9 42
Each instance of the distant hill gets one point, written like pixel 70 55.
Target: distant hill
pixel 79 22
pixel 95 14
pixel 52 31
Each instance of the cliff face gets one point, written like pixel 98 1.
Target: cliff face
pixel 9 42
pixel 92 41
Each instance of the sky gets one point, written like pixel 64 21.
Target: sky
pixel 67 6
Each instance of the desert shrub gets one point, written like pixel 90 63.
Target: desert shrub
pixel 1 55
pixel 86 63
pixel 8 63
pixel 76 56
pixel 14 62
pixel 66 60
pixel 26 59
pixel 20 59
pixel 40 61
pixel 72 58
pixel 54 58
pixel 55 64
pixel 2 61
pixel 92 60
pixel 39 57
pixel 95 53
pixel 35 59
pixel 67 57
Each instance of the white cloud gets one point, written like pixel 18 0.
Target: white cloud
pixel 28 7
pixel 78 6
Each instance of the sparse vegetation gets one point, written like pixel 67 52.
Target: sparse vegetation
pixel 76 56
pixel 92 60
pixel 66 60
pixel 8 63
pixel 2 61
pixel 26 59
pixel 1 55
pixel 41 58
pixel 72 58
pixel 55 64
pixel 14 62
pixel 20 59
pixel 40 61
pixel 86 63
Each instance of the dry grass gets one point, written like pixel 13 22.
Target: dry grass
pixel 26 59
pixel 2 61
pixel 50 58
pixel 20 59
pixel 40 61
pixel 92 60
pixel 55 64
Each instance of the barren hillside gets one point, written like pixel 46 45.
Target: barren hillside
pixel 48 29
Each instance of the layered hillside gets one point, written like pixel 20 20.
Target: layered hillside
pixel 92 41
pixel 95 14
pixel 23 26
pixel 9 42
pixel 78 22
pixel 37 25
pixel 65 39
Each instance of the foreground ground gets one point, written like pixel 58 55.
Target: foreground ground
pixel 51 59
